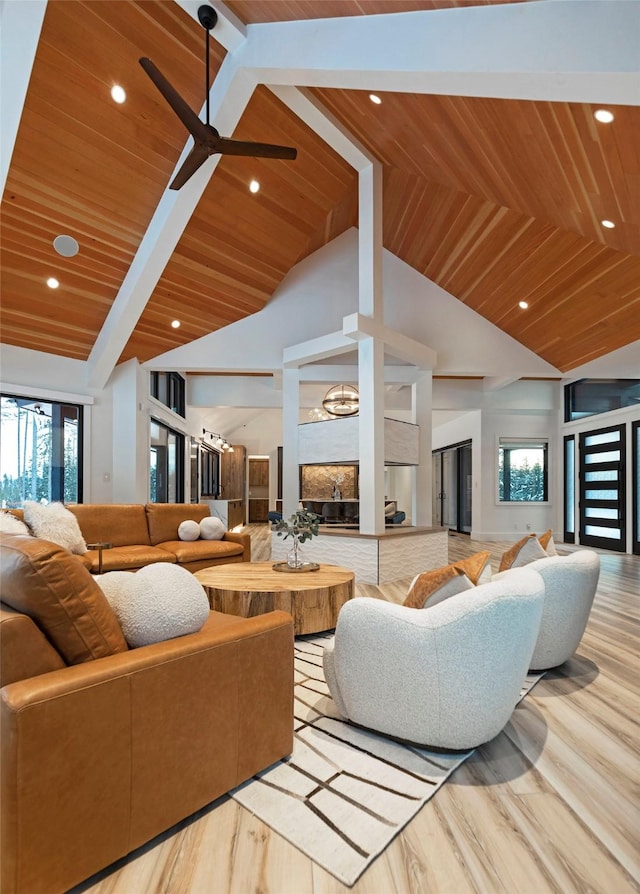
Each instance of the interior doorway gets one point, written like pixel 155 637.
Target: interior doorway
pixel 258 489
pixel 452 487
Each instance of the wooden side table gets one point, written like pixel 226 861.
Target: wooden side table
pixel 314 599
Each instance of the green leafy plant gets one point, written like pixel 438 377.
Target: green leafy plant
pixel 301 526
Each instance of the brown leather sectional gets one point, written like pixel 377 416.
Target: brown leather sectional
pixel 141 534
pixel 104 747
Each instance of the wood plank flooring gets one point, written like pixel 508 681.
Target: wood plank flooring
pixel 550 806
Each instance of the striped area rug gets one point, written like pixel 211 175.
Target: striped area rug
pixel 345 792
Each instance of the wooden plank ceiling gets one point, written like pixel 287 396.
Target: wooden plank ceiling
pixel 495 200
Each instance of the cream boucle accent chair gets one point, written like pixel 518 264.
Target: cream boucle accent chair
pixel 570 587
pixel 448 676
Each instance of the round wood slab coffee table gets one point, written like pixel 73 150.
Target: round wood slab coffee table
pixel 254 588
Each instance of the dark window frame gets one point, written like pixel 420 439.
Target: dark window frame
pixel 180 463
pixel 520 444
pixel 170 389
pixel 635 478
pixel 57 471
pixel 569 494
pixel 616 392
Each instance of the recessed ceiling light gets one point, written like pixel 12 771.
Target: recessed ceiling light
pixel 175 324
pixel 375 99
pixel 523 304
pixel 52 282
pixel 609 224
pixel 66 246
pixel 603 115
pixel 117 94
pixel 254 186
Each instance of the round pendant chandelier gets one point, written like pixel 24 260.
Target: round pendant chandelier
pixel 341 400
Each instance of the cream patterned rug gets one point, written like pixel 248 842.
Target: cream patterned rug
pixel 345 792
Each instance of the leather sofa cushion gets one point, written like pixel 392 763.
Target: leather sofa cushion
pixel 164 519
pixel 118 523
pixel 128 558
pixel 47 583
pixel 24 650
pixel 197 550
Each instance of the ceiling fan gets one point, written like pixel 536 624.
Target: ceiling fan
pixel 207 140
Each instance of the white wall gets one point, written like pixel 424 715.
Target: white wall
pixel 511 521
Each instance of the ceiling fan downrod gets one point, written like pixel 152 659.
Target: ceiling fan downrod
pixel 207 17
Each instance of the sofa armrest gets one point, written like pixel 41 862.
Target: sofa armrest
pixel 101 757
pixel 244 539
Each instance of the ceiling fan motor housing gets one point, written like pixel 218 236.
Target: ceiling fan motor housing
pixel 207 16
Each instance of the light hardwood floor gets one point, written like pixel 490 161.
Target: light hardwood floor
pixel 550 805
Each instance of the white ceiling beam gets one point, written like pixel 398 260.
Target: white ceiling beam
pixel 316 349
pixel 566 50
pixel 310 110
pixel 325 373
pixel 229 95
pixel 20 26
pixel 359 328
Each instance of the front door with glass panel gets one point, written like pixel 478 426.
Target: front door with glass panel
pixel 602 488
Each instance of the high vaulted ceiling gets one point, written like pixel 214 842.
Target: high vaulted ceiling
pixel 495 199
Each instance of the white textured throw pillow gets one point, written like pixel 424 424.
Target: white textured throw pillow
pixel 54 522
pixel 211 528
pixel 188 530
pixel 9 524
pixel 158 602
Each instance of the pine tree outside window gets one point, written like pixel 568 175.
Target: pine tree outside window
pixel 523 471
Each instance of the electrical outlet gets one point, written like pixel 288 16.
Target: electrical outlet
pixel 528 527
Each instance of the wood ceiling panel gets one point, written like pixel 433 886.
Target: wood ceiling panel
pixel 238 246
pixel 492 257
pixel 551 161
pixel 87 167
pixel 251 11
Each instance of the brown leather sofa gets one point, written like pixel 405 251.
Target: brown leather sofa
pixel 104 747
pixel 141 534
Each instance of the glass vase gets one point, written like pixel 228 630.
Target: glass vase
pixel 294 556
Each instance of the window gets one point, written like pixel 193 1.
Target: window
pixel 166 465
pixel 589 397
pixel 210 472
pixel 169 389
pixel 40 451
pixel 522 471
pixel 569 489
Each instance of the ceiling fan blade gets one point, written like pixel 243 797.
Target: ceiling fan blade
pixel 197 157
pixel 188 117
pixel 226 146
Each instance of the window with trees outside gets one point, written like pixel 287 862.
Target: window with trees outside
pixel 40 451
pixel 522 471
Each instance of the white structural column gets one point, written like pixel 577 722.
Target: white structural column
pixel 290 413
pixel 371 434
pixel 370 241
pixel 422 407
pixel 371 351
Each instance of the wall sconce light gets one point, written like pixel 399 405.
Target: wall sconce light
pixel 342 400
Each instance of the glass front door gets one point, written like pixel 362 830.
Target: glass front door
pixel 602 488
